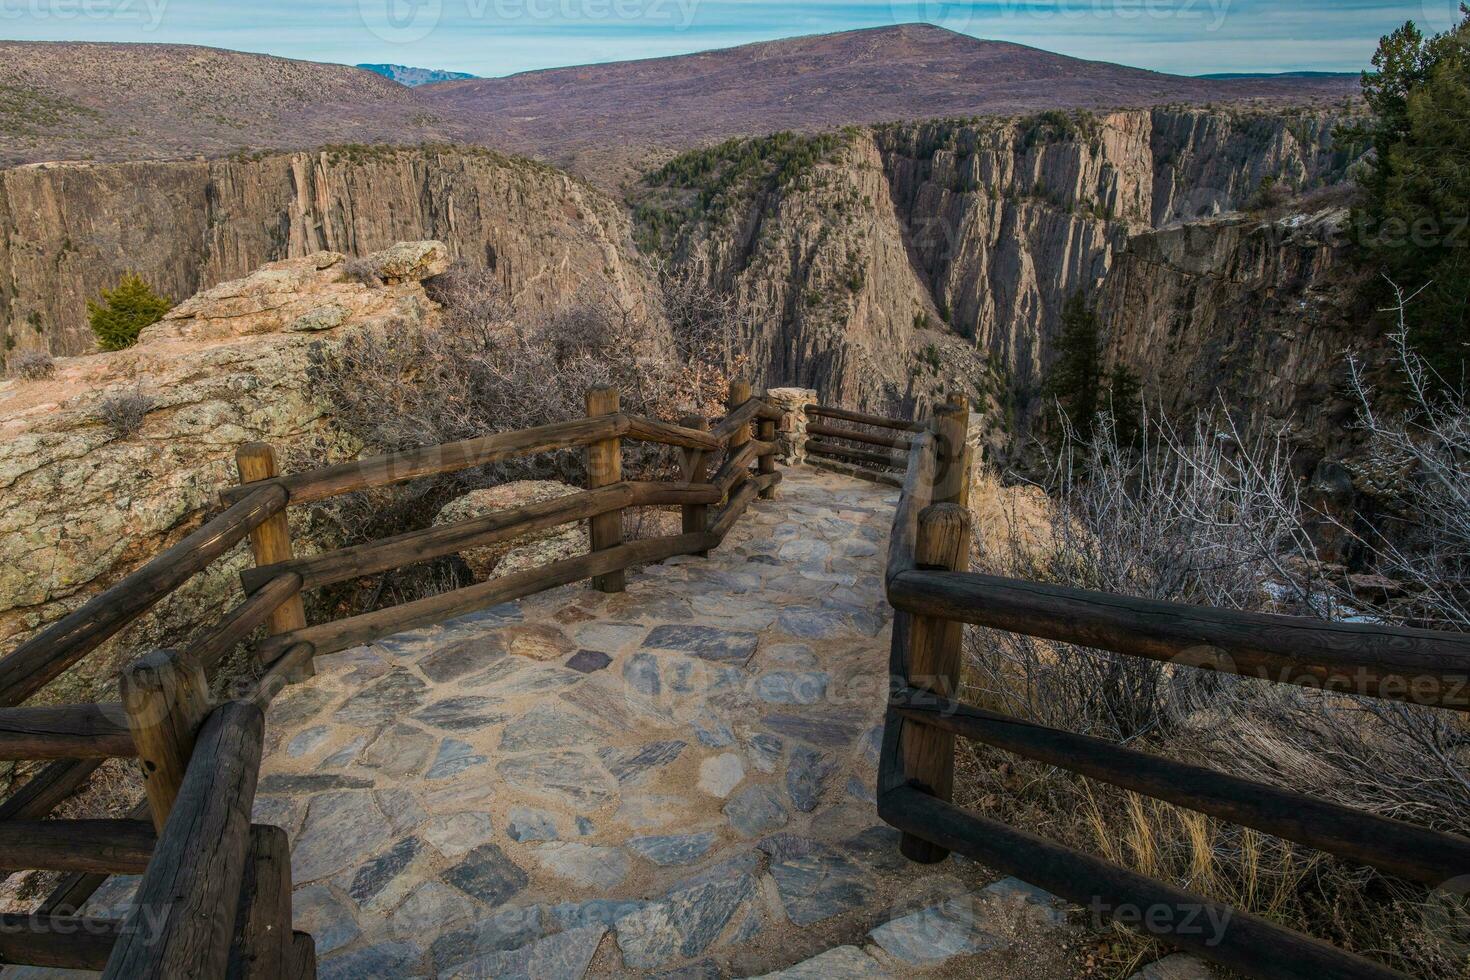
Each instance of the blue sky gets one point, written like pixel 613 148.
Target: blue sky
pixel 494 37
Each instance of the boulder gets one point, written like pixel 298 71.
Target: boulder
pixel 526 551
pixel 410 262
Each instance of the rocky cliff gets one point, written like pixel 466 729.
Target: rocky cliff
pixel 69 230
pixel 881 265
pixel 89 496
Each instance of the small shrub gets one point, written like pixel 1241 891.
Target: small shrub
pixel 362 271
pixel 123 412
pixel 125 311
pixel 32 365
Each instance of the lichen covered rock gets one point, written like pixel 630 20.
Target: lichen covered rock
pixel 526 551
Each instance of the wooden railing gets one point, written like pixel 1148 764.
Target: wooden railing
pixel 877 451
pixel 934 595
pixel 215 896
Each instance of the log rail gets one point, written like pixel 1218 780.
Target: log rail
pixel 225 884
pixel 934 596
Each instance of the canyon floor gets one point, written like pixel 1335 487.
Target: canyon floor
pixel 675 780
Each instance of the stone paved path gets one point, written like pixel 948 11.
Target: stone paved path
pixel 674 781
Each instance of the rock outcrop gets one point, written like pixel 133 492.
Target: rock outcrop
pixel 528 550
pixel 85 504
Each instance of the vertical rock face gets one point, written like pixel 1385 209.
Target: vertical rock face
pixel 67 231
pixel 1261 312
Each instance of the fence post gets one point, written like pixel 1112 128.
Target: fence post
pixel 739 395
pixel 166 699
pixel 605 467
pixel 766 463
pixel 934 658
pixel 271 543
pixel 950 426
pixel 696 470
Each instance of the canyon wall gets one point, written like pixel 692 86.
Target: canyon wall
pixel 69 230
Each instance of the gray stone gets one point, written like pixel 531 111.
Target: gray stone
pixel 1035 903
pixel 795 655
pixel 296 704
pixel 527 824
pixel 877 847
pixel 805 551
pixel 814 624
pixel 589 661
pixel 713 732
pixel 704 642
pixel 831 731
pixel 401 750
pixel 569 778
pixel 456 834
pixel 315 910
pixel 308 741
pixel 792 687
pixel 507 929
pixel 603 868
pixel 806 774
pixel 385 961
pixel 402 808
pixel 818 886
pixel 610 637
pixel 374 876
pixel 278 811
pixel 292 784
pixel 1179 966
pixel 454 758
pixel 388 699
pixel 935 934
pixel 673 849
pixel 584 827
pixel 452 662
pixel 720 774
pixel 599 911
pixel 765 751
pixel 631 765
pixel 788 847
pixel 340 826
pixel 548 726
pixel 564 956
pixel 756 811
pixel 344 756
pixel 861 790
pixel 462 714
pixel 487 874
pixel 430 908
pixel 703 970
pixel 641 674
pixel 683 924
pixel 847 962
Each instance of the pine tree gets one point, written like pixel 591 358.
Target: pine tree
pixel 1075 380
pixel 1126 405
pixel 1411 224
pixel 125 311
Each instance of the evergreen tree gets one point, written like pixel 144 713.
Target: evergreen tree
pixel 1412 222
pixel 124 312
pixel 1075 380
pixel 1125 402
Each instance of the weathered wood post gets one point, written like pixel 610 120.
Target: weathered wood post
pixel 934 661
pixel 950 426
pixel 262 943
pixel 605 467
pixel 166 699
pixel 767 461
pixel 696 470
pixel 739 395
pixel 271 543
pixel 967 458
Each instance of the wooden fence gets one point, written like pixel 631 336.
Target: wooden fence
pixel 935 595
pixel 223 884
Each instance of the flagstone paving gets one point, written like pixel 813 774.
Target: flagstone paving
pixel 674 781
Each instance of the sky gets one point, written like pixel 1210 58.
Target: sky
pixel 497 37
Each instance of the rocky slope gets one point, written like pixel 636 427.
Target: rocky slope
pixel 69 230
pixel 86 502
pixel 882 265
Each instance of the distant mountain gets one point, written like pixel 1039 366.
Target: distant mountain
pixel 1283 74
pixel 824 81
pixel 414 77
pixel 147 101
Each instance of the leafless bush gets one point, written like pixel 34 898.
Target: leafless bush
pixel 32 365
pixel 361 271
pixel 1195 516
pixel 124 411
